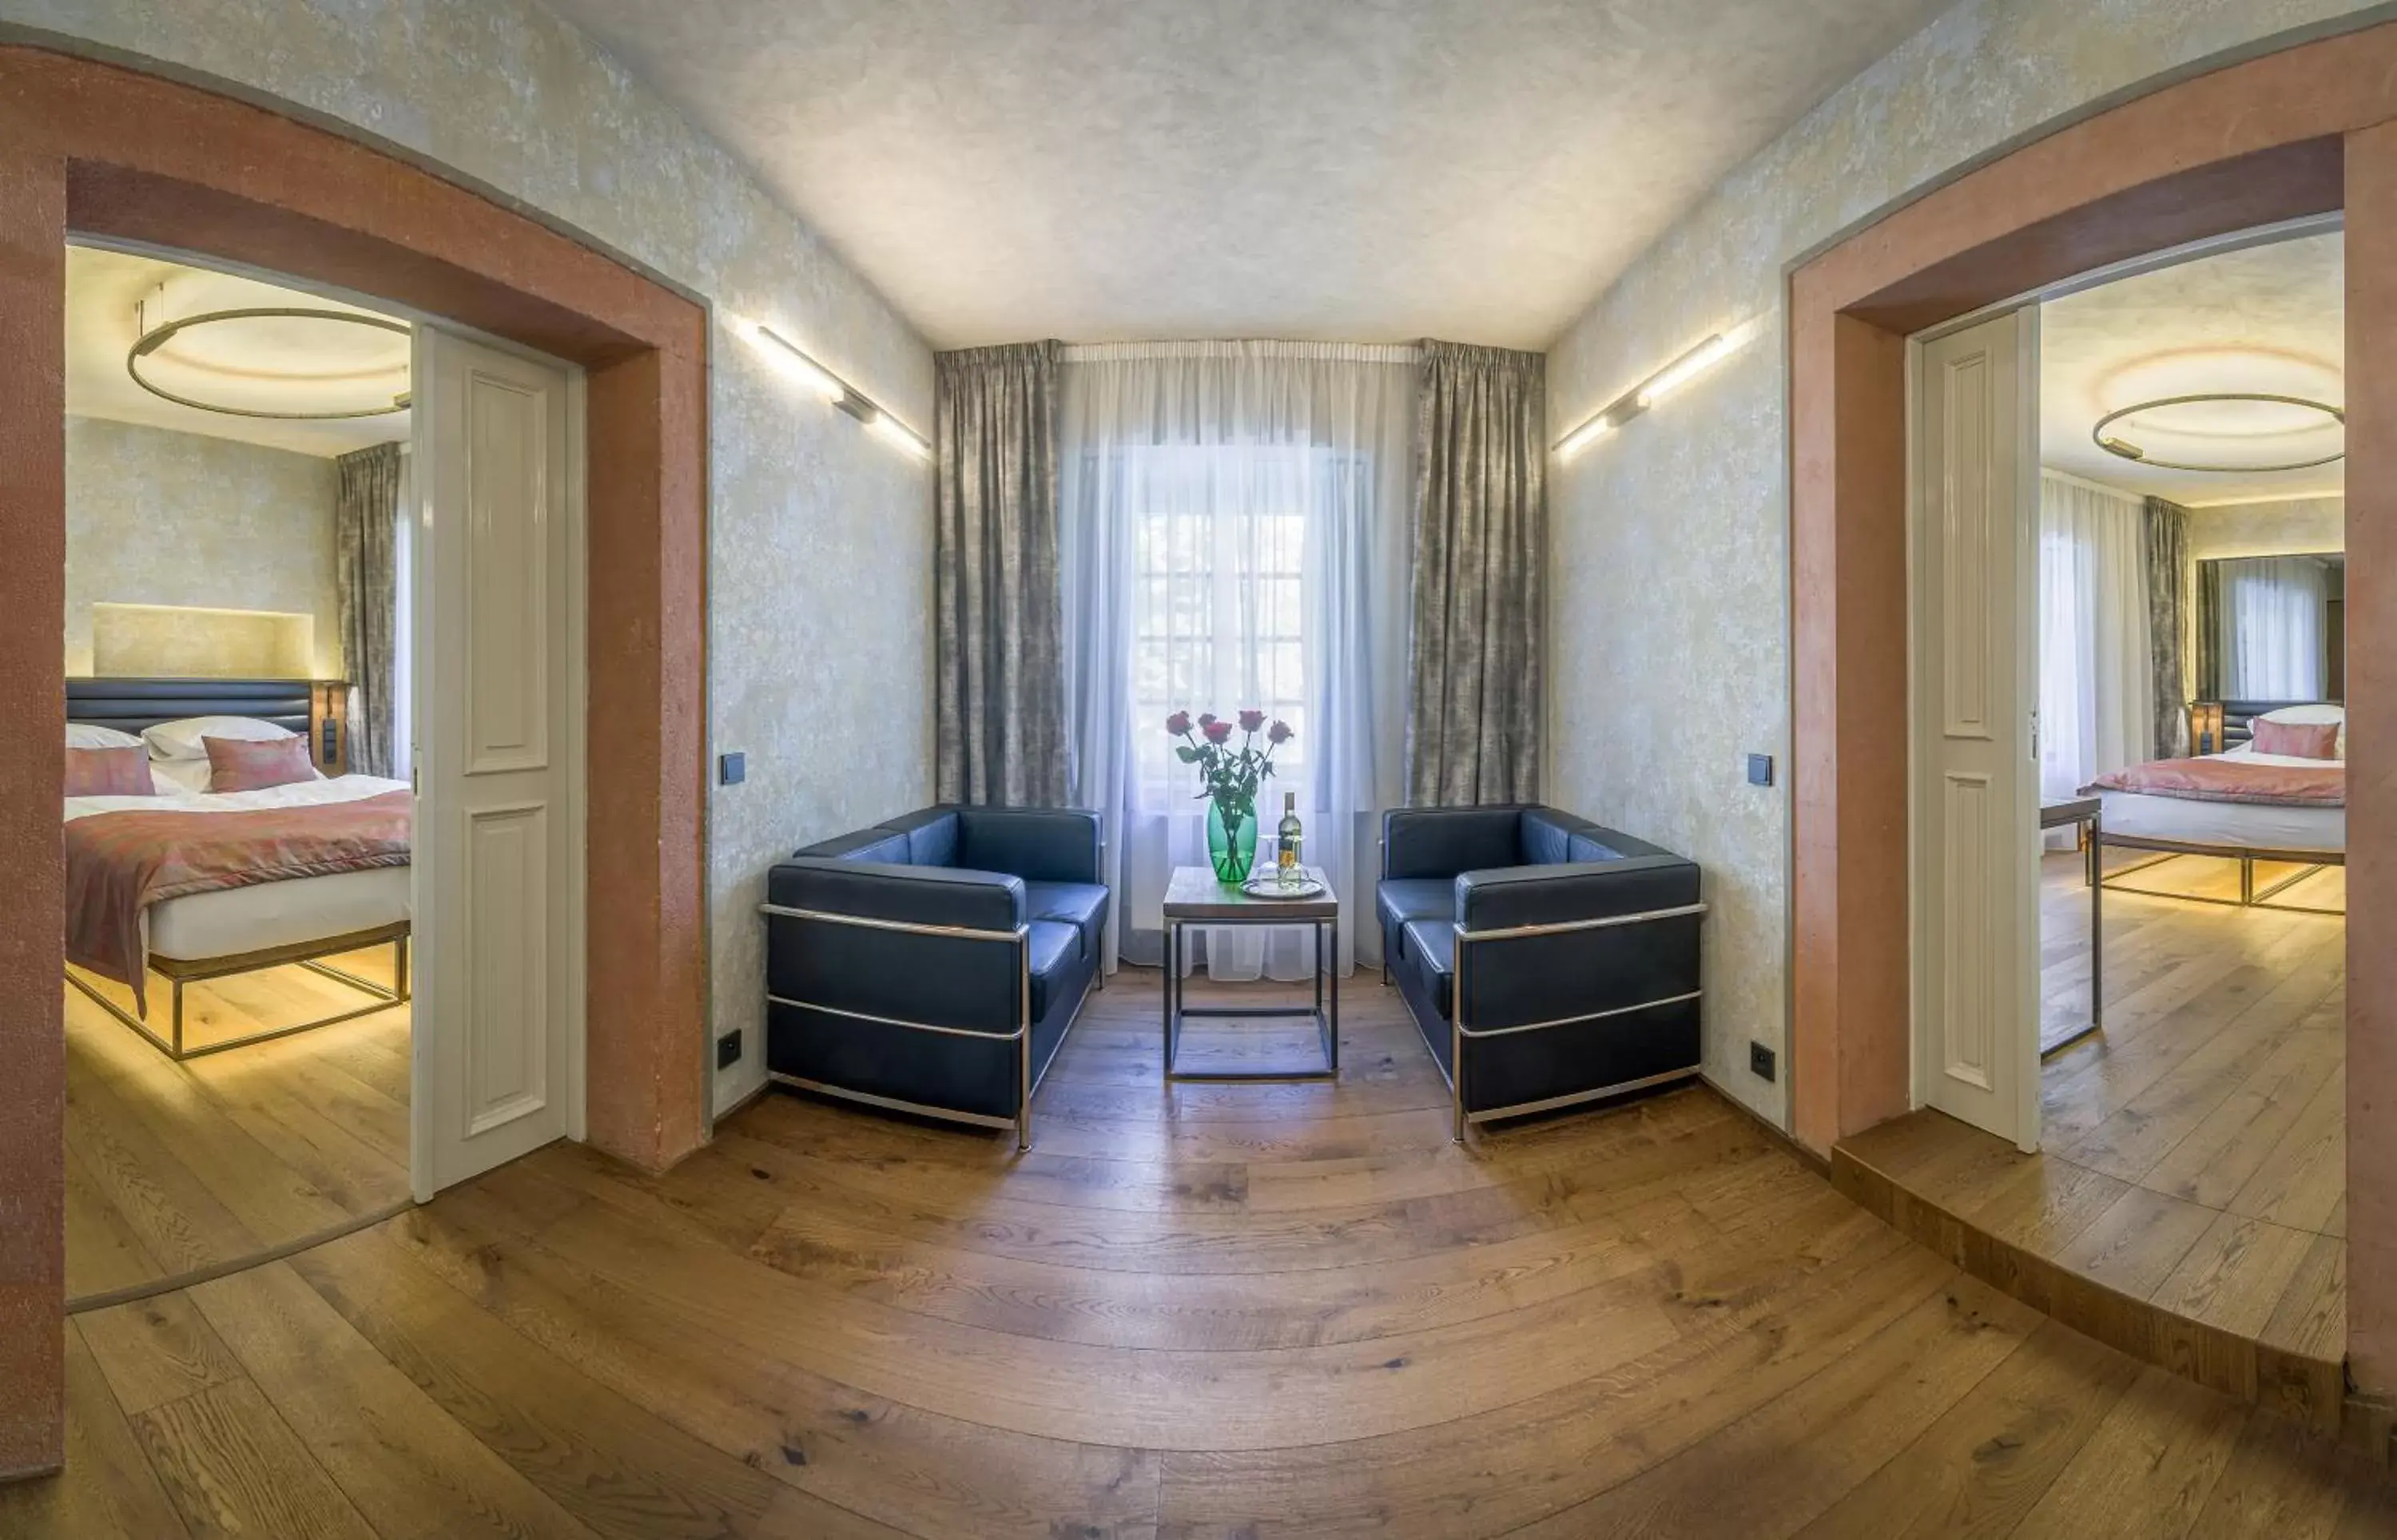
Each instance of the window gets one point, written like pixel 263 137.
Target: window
pixel 1220 553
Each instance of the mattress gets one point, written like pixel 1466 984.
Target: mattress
pixel 2185 821
pixel 232 921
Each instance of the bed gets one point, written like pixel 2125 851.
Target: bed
pixel 166 884
pixel 2240 805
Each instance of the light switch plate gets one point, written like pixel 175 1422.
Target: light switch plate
pixel 1759 769
pixel 731 769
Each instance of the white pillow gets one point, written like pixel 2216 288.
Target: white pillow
pixel 180 739
pixel 2314 715
pixel 84 735
pixel 180 777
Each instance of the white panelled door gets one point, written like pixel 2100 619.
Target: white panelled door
pixel 498 870
pixel 1975 687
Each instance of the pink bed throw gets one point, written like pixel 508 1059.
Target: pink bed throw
pixel 119 863
pixel 2321 785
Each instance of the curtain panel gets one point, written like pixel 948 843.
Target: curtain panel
pixel 2169 631
pixel 999 713
pixel 1236 536
pixel 1476 695
pixel 2096 670
pixel 366 579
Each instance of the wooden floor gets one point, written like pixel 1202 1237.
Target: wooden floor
pixel 1208 1310
pixel 2218 1086
pixel 177 1169
pixel 2195 1152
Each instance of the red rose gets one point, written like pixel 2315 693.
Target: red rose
pixel 1279 733
pixel 1218 731
pixel 1251 721
pixel 1178 723
pixel 1206 720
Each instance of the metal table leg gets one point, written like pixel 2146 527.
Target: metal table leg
pixel 2097 927
pixel 1331 961
pixel 1173 973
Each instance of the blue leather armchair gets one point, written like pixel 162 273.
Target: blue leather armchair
pixel 1545 960
pixel 934 963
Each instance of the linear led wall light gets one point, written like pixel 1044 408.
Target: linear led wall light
pixel 841 393
pixel 1648 392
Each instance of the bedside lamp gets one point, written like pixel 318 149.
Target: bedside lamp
pixel 2205 727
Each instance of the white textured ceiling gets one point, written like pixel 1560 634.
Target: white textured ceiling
pixel 104 289
pixel 1359 169
pixel 2270 319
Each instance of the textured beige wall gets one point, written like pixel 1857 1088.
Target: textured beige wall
pixel 1670 555
pixel 821 535
pixel 157 517
pixel 2293 528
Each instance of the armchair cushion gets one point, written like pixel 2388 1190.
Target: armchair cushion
pixel 865 844
pixel 1402 899
pixel 1442 842
pixel 1040 844
pixel 874 890
pixel 1547 835
pixel 1057 972
pixel 1570 891
pixel 1429 959
pixel 931 835
pixel 1591 842
pixel 1080 905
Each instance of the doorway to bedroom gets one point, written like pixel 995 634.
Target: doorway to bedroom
pixel 2191 739
pixel 324 764
pixel 2128 808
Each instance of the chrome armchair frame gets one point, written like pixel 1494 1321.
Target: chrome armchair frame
pixel 1459 1033
pixel 1021 938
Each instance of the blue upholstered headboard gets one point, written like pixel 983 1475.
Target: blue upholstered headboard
pixel 2239 715
pixel 130 705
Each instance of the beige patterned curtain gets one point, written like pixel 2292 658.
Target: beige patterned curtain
pixel 1481 543
pixel 366 574
pixel 999 711
pixel 2168 628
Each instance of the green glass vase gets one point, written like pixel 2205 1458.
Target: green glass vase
pixel 1232 849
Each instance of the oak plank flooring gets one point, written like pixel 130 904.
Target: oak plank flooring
pixel 231 1467
pixel 2195 1152
pixel 1645 1320
pixel 108 1487
pixel 175 1169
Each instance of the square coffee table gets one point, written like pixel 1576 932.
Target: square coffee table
pixel 1195 897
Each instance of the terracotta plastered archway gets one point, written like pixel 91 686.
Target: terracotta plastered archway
pixel 2305 131
pixel 99 149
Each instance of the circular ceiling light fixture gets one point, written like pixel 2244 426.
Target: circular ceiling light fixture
pixel 2217 416
pixel 233 355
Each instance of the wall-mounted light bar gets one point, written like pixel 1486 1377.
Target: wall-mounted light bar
pixel 1648 392
pixel 795 362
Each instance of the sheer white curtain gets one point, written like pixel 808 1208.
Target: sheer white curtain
pixel 1235 534
pixel 2274 643
pixel 2096 699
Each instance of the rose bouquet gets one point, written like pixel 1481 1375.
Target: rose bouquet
pixel 1230 778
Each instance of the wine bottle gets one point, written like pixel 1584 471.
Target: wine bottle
pixel 1288 837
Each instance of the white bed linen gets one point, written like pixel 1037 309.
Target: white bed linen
pixel 266 914
pixel 2259 828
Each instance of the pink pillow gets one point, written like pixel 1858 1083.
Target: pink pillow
pixel 238 765
pixel 2297 739
pixel 119 772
